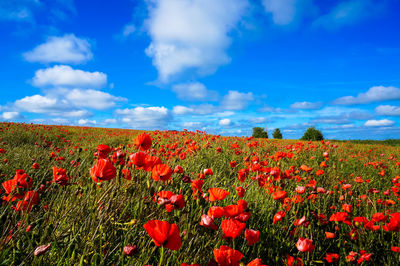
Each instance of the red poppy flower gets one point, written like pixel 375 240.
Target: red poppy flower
pixel 151 162
pixel 252 236
pixel 300 189
pixel 208 222
pixel 233 210
pixel 126 174
pixel 225 256
pixel 138 159
pixel 256 262
pixel 161 172
pixel 60 176
pixel 330 235
pixel 242 174
pixel 143 141
pixel 164 234
pixel 279 195
pixel 347 207
pixel 240 191
pixel 103 151
pixel 216 212
pixel 331 257
pixel 178 169
pixel 23 180
pixel 31 198
pixel 232 228
pixel 291 261
pixel 208 171
pixel 217 194
pixel 305 245
pixel 103 170
pixel 278 216
pixel 306 168
pixel 130 250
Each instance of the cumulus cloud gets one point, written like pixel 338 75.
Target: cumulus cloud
pixel 235 100
pixel 67 49
pixel 194 91
pixel 109 121
pixel 374 94
pixel 379 123
pixel 62 75
pixel 192 124
pixel 201 109
pixel 67 103
pixel 93 99
pixel 10 116
pixel 182 110
pixel 388 110
pixel 190 34
pixel 285 12
pixel 224 122
pixel 145 117
pixel 306 105
pixel 87 122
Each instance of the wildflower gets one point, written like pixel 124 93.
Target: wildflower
pixel 164 234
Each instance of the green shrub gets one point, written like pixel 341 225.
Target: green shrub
pixel 277 134
pixel 258 132
pixel 312 134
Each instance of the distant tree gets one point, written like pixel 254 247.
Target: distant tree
pixel 277 134
pixel 312 134
pixel 258 132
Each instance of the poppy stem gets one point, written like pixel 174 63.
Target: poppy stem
pixel 162 256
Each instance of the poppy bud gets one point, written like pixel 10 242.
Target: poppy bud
pixel 130 250
pixel 41 249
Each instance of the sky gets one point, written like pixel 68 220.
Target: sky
pixel 220 66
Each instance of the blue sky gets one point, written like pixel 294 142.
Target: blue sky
pixel 223 66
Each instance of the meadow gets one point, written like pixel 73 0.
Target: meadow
pixel 93 196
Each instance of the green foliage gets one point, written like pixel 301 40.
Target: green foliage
pixel 258 132
pixel 277 134
pixel 312 134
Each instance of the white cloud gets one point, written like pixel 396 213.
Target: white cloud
pixel 86 122
pixel 67 49
pixel 388 110
pixel 38 104
pixel 110 121
pixel 145 117
pixel 348 12
pixel 182 110
pixel 192 124
pixel 93 99
pixel 285 12
pixel 194 91
pixel 9 116
pixel 67 103
pixel 191 34
pixel 379 123
pixel 235 100
pixel 306 105
pixel 201 109
pixel 374 94
pixel 224 122
pixel 62 75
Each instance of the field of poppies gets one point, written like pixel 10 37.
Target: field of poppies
pixel 80 196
